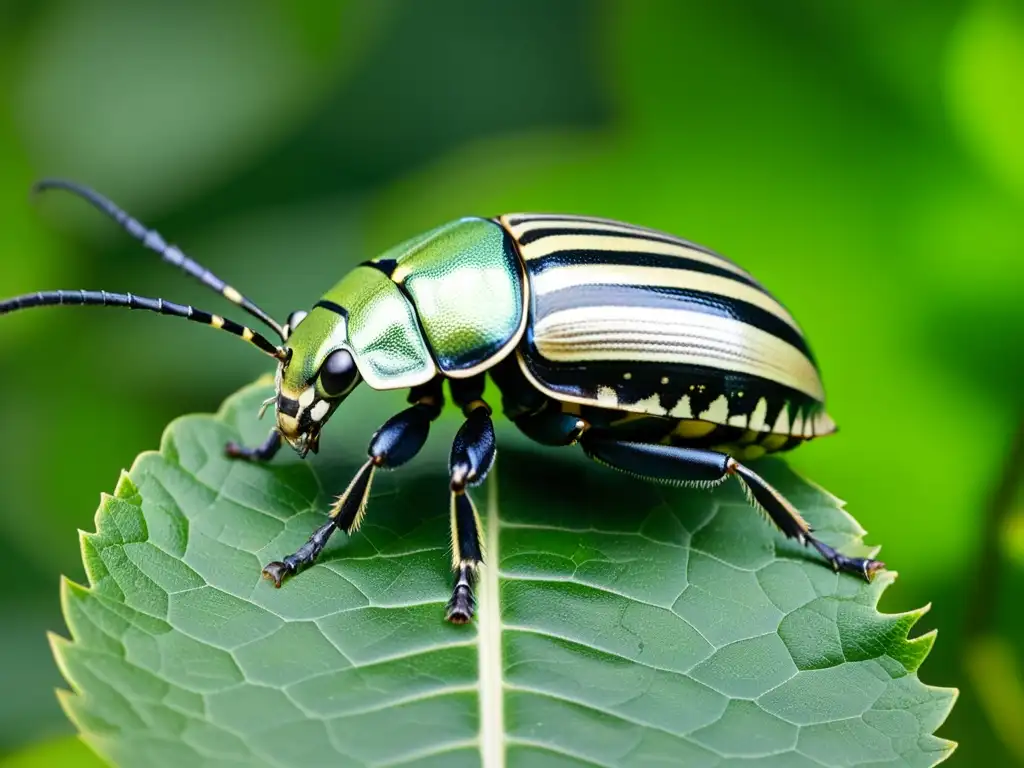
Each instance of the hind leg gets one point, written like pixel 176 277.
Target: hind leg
pixel 677 465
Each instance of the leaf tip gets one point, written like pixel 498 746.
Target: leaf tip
pixel 920 647
pixel 69 589
pixel 95 568
pixel 125 488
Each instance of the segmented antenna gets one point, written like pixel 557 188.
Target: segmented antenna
pixel 152 240
pixel 131 301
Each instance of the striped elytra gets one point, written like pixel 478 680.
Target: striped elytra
pixel 625 318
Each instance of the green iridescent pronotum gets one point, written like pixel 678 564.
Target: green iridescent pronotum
pixel 659 357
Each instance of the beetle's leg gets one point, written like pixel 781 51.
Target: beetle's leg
pixel 471 459
pixel 395 443
pixel 537 416
pixel 264 452
pixel 674 464
pixel 551 425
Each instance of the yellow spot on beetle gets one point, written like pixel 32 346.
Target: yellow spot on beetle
pixel 748 437
pixel 232 295
pixel 217 321
pixel 752 452
pixel 693 429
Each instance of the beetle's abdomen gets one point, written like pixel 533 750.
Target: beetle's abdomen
pixel 636 320
pixel 466 281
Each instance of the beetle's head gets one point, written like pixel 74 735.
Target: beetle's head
pixel 311 383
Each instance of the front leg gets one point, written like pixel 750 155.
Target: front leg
pixel 395 443
pixel 264 452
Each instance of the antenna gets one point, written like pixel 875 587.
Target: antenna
pixel 131 301
pixel 152 240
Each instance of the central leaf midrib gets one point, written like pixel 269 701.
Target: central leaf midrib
pixel 492 716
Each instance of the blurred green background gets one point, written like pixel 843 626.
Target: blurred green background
pixel 865 160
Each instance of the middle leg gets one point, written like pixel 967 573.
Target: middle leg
pixel 471 459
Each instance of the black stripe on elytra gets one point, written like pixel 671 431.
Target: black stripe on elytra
pixel 539 234
pixel 332 307
pixel 660 297
pixel 583 257
pixel 542 217
pixel 585 220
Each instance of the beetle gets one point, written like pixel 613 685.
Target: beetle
pixel 659 357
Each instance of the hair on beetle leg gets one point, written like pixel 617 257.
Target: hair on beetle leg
pixel 754 503
pixel 704 485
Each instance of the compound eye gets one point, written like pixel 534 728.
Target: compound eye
pixel 338 373
pixel 294 319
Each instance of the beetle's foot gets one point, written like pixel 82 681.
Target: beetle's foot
pixel 871 567
pixel 277 572
pixel 461 607
pixel 235 451
pixel 860 566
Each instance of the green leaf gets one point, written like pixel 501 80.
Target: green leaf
pixel 622 623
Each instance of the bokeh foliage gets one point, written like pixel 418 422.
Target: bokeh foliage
pixel 864 160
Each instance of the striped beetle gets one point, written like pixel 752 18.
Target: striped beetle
pixel 659 357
